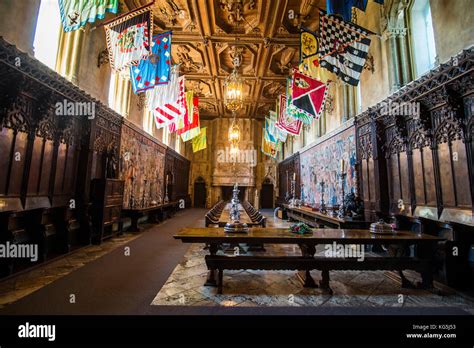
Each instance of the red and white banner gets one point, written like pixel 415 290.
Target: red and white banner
pixel 286 122
pixel 167 102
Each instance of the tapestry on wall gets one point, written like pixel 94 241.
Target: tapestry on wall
pixel 76 13
pixel 129 38
pixel 142 168
pixel 322 163
pixel 155 69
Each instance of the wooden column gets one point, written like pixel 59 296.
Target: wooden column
pixel 380 168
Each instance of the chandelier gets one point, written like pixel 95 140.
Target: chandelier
pixel 233 94
pixel 233 97
pixel 234 136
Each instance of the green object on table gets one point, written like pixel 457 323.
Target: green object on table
pixel 301 228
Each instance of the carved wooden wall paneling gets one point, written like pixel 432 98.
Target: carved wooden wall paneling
pixel 47 158
pixel 70 138
pixel 176 175
pixel 286 169
pixel 422 164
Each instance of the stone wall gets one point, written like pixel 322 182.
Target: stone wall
pixel 18 23
pixel 215 165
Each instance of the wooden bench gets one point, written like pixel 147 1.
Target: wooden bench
pixel 155 213
pixel 221 263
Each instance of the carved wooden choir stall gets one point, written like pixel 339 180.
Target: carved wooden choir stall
pixel 59 176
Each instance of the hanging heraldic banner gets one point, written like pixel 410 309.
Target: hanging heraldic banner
pixel 76 13
pixel 269 148
pixel 308 94
pixel 167 102
pixel 176 109
pixel 155 70
pixel 200 142
pixel 129 38
pixel 190 127
pixel 291 110
pixel 344 47
pixel 285 121
pixel 280 134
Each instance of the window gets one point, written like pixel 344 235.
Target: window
pixel 177 146
pixel 57 49
pixel 165 136
pixel 119 94
pixel 148 121
pixel 359 99
pixel 422 36
pixel 47 33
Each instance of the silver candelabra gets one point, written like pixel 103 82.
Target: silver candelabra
pixel 234 225
pixel 322 203
pixel 342 209
pixel 293 189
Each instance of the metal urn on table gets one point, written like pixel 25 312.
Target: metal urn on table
pixel 234 225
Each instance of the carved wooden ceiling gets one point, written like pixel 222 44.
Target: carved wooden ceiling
pixel 208 33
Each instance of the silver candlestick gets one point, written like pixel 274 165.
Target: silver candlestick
pixel 342 209
pixel 293 189
pixel 322 203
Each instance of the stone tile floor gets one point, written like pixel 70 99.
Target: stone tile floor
pixel 14 288
pixel 185 286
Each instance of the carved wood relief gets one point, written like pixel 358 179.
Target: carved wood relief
pixel 426 161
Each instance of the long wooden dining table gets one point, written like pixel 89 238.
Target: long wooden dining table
pixel 225 216
pixel 422 261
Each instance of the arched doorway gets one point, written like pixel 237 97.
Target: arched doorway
pixel 200 193
pixel 266 194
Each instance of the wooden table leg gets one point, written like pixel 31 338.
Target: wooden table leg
pixel 211 276
pixel 134 223
pixel 308 251
pixel 426 251
pixel 406 284
pixel 324 282
pixel 220 281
